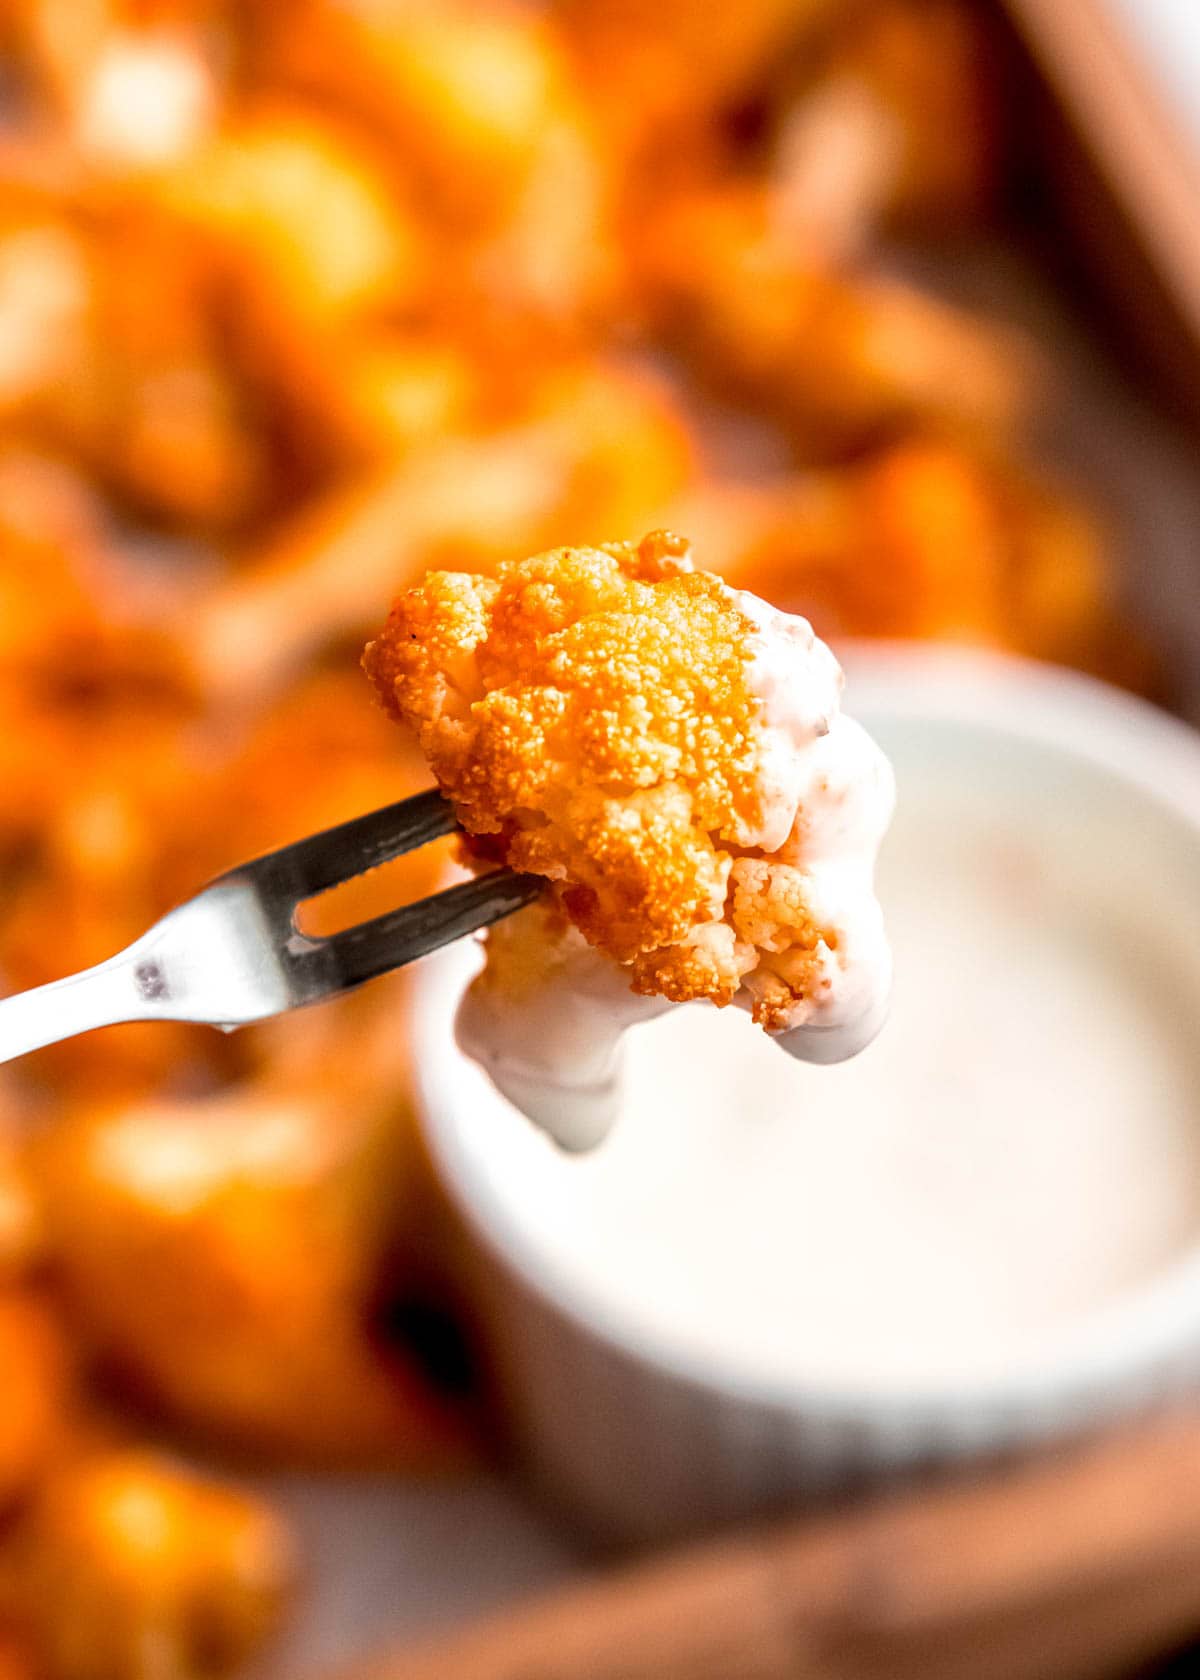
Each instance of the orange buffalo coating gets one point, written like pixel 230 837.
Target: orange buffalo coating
pixel 591 715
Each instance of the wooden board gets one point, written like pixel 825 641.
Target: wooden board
pixel 1106 68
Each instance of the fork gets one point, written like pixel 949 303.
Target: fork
pixel 234 954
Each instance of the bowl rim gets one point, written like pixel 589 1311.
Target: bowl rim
pixel 1149 1331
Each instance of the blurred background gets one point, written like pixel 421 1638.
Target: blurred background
pixel 298 298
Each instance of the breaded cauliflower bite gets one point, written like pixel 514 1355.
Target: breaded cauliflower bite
pixel 671 755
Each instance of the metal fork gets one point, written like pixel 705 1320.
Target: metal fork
pixel 233 954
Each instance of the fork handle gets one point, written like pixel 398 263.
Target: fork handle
pixel 96 997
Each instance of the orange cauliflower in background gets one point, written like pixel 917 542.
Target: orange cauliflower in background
pixel 128 1566
pixel 597 717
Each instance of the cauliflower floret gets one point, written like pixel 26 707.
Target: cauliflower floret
pixel 668 753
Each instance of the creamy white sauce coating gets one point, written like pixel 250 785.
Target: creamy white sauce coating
pixel 556 1051
pixel 827 798
pixel 832 798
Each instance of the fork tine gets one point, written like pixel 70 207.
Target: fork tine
pixel 308 867
pixel 232 953
pixel 347 959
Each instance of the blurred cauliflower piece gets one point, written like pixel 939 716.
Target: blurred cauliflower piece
pixel 671 756
pixel 387 394
pixel 478 102
pixel 928 539
pixel 301 217
pixel 108 349
pixel 154 403
pixel 305 253
pixel 843 359
pixel 34 1392
pixel 227 1255
pixel 129 1567
pixel 464 86
pixel 599 446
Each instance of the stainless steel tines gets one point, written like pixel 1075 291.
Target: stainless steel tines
pixel 234 954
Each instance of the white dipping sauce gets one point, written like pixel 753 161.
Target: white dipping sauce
pixel 1018 1149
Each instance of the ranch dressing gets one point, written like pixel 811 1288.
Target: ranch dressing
pixel 1018 1150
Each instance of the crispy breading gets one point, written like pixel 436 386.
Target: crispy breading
pixel 593 710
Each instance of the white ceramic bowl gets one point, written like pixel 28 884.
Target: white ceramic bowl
pixel 641 1436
